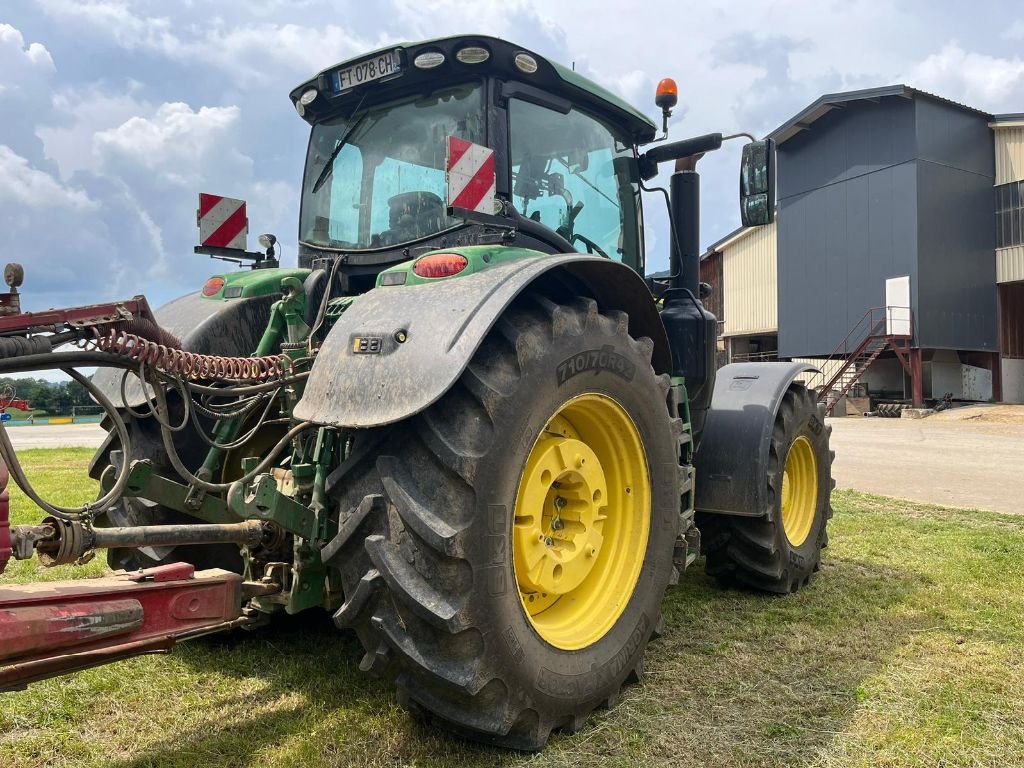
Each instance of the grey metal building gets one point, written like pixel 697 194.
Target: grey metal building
pixel 881 193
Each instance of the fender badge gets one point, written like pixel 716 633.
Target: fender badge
pixel 367 345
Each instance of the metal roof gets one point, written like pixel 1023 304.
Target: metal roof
pixel 729 239
pixel 803 120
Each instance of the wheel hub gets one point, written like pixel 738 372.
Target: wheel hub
pixel 558 527
pixel 799 491
pixel 582 518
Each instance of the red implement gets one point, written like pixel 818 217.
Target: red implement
pixel 5 522
pixel 49 629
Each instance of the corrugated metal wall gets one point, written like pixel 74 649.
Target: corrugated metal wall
pixel 1009 147
pixel 750 283
pixel 827 366
pixel 1009 154
pixel 1010 264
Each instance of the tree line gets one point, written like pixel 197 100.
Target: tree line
pixel 54 398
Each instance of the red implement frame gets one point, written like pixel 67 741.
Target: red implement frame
pixel 49 629
pixel 79 316
pixel 5 522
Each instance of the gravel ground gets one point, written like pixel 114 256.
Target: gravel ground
pixel 967 457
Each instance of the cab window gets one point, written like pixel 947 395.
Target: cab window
pixel 571 175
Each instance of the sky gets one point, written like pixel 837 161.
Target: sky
pixel 114 114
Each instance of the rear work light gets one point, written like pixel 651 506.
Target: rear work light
pixel 213 286
pixel 440 265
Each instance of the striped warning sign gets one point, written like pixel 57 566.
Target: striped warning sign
pixel 222 221
pixel 470 170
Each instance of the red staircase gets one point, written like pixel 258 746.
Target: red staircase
pixel 868 338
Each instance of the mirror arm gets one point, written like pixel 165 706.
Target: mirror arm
pixel 650 159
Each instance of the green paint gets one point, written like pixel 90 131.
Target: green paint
pixel 287 317
pixel 263 500
pixel 255 282
pixel 480 258
pixel 571 77
pixel 143 482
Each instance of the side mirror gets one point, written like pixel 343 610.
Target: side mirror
pixel 757 183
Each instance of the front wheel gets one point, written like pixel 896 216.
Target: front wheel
pixel 781 550
pixel 516 575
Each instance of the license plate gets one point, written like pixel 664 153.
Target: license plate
pixel 385 65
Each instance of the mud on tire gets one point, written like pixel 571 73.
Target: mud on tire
pixel 426 514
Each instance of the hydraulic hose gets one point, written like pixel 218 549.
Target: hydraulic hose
pixel 10 458
pixel 186 474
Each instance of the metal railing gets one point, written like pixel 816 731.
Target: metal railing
pixel 759 357
pixel 875 325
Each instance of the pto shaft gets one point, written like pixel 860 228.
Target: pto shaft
pixel 59 542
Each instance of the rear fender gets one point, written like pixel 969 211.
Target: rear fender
pixel 732 461
pixel 364 376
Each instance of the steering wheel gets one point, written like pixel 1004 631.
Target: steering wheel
pixel 591 245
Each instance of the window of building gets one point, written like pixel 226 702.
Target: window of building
pixel 1009 214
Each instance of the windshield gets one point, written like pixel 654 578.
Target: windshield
pixel 377 178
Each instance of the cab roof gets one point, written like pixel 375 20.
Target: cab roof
pixel 561 82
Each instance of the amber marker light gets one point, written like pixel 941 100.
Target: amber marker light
pixel 213 286
pixel 667 94
pixel 440 265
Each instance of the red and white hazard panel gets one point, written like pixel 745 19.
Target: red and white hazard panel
pixel 471 178
pixel 222 222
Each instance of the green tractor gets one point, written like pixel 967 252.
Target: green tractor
pixel 493 443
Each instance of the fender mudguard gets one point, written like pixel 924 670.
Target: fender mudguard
pixel 231 328
pixel 732 461
pixel 364 376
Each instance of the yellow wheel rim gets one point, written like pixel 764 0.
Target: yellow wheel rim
pixel 799 491
pixel 582 517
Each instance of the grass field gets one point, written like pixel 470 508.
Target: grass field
pixel 908 650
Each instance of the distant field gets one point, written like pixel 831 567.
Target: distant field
pixel 908 650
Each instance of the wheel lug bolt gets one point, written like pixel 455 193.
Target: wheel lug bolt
pixel 560 501
pixel 557 524
pixel 549 541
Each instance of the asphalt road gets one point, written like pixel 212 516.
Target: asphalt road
pixel 57 436
pixel 955 462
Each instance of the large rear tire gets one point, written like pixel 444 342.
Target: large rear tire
pixel 514 576
pixel 781 550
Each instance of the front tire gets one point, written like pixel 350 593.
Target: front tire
pixel 501 624
pixel 781 550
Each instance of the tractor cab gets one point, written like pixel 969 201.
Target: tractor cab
pixel 374 189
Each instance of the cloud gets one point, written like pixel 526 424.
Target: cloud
pixel 253 52
pixel 977 79
pixel 22 185
pixel 78 115
pixel 178 144
pixel 156 101
pixel 17 60
pixel 1015 31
